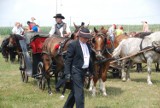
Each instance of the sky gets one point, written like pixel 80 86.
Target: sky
pixel 94 12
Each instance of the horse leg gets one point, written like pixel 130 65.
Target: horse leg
pixel 103 80
pixel 100 85
pixel 56 77
pixel 139 67
pixel 91 85
pixel 128 74
pixel 157 67
pixel 94 86
pixel 123 70
pixel 6 58
pixel 128 71
pixel 64 89
pixel 149 64
pixel 49 88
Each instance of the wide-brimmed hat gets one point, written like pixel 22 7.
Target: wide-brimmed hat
pixel 59 16
pixel 85 33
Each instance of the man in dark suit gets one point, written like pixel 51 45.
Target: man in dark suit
pixel 78 60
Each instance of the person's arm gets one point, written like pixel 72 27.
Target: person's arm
pixel 68 32
pixel 91 64
pixel 69 59
pixel 52 31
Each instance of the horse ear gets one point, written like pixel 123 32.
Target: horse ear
pixel 75 25
pixel 102 28
pixel 95 30
pixel 87 26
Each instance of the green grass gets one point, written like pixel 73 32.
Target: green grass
pixel 127 28
pixel 133 94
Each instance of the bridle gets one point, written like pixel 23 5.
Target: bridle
pixel 103 50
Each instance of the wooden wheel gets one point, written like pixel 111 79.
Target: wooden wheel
pixel 24 76
pixel 41 80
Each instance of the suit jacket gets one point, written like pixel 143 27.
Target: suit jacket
pixel 74 57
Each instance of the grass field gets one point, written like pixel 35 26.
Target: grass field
pixel 127 28
pixel 133 94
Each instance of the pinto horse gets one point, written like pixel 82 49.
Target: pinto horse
pixel 54 49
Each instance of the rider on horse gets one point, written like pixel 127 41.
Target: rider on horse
pixel 60 29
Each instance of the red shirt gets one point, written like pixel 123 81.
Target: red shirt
pixel 31 25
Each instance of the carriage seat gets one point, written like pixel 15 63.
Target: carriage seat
pixel 30 36
pixel 142 34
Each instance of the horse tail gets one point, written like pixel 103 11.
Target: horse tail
pixel 117 51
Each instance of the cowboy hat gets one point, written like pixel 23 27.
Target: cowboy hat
pixel 59 16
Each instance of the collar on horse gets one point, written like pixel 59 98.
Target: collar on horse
pixel 142 49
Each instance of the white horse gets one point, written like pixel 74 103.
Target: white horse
pixel 131 46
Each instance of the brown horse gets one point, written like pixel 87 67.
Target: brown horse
pixel 54 49
pixel 99 47
pixel 14 46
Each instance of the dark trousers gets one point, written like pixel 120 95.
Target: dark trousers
pixel 77 93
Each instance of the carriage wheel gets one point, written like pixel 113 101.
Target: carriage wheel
pixel 24 76
pixel 41 78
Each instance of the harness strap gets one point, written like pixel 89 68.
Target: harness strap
pixel 142 49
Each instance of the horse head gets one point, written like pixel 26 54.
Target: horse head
pixel 12 41
pixel 77 28
pixel 99 43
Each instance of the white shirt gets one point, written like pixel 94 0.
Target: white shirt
pixel 18 31
pixel 86 55
pixel 52 31
pixel 111 31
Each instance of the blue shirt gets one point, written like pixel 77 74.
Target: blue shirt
pixel 35 28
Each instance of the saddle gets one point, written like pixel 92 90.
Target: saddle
pixel 142 35
pixel 62 45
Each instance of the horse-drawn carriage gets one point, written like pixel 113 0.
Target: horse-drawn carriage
pixel 39 63
pixel 31 54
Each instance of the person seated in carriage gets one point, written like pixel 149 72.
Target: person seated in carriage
pixel 60 28
pixel 17 29
pixel 32 27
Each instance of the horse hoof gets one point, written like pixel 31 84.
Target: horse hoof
pixel 150 83
pixel 50 93
pixel 128 79
pixel 104 94
pixel 62 97
pixel 123 79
